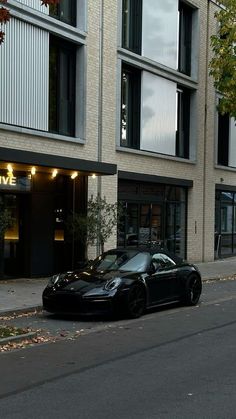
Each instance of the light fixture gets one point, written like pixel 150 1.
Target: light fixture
pixel 33 170
pixel 74 175
pixel 94 176
pixel 54 173
pixel 9 170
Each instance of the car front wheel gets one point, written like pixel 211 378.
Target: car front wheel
pixel 136 303
pixel 193 290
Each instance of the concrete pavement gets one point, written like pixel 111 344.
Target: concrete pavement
pixel 21 295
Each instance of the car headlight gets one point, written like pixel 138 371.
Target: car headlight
pixel 112 284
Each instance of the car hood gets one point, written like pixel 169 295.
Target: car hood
pixel 85 281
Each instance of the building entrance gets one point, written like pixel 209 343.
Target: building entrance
pixel 16 236
pixel 38 242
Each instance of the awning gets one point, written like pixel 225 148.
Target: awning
pixel 45 161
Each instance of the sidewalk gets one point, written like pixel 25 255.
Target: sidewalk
pixel 21 295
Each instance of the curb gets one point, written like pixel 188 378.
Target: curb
pixel 17 338
pixel 12 312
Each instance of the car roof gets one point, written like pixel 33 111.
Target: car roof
pixel 150 249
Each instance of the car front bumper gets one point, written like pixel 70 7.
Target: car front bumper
pixel 73 303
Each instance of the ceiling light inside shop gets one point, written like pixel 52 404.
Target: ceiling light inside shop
pixel 74 175
pixel 54 173
pixel 33 170
pixel 94 176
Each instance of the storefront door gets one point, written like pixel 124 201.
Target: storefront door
pixel 16 236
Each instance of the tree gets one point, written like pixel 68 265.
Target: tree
pixel 223 63
pixel 98 224
pixel 5 15
pixel 6 222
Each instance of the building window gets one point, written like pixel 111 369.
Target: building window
pixel 225 223
pixel 65 11
pixel 62 66
pixel 183 122
pixel 185 38
pixel 153 213
pixel 155 114
pixel 130 107
pixel 160 33
pixel 226 141
pixel 132 25
pixel 223 139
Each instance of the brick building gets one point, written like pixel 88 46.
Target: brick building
pixel 120 90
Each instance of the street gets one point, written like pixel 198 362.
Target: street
pixel 174 362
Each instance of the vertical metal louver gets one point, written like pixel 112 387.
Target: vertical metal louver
pixel 24 75
pixel 35 4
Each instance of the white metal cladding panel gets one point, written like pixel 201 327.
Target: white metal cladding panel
pixel 24 76
pixel 158 114
pixel 35 4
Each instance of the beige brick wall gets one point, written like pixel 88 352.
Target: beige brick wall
pixel 203 173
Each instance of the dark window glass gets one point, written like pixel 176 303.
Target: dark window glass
pixel 132 25
pixel 176 227
pixel 62 87
pixel 130 107
pixel 223 139
pixel 163 222
pixel 65 11
pixel 225 223
pixel 185 38
pixel 183 123
pixel 156 227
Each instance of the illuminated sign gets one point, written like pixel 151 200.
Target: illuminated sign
pixel 8 180
pixel 15 183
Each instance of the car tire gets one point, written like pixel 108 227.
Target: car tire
pixel 136 302
pixel 193 290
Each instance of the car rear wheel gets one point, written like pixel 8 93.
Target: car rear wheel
pixel 193 290
pixel 136 301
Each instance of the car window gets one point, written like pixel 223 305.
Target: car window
pixel 162 260
pixel 138 263
pixel 110 261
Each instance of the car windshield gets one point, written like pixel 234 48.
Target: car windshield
pixel 122 261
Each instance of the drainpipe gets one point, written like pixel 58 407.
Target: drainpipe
pixel 100 87
pixel 100 99
pixel 205 133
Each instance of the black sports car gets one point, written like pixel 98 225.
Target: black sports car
pixel 125 281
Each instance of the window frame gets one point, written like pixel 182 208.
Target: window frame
pixel 56 10
pixel 183 122
pixel 68 49
pixel 185 16
pixel 132 26
pixel 133 111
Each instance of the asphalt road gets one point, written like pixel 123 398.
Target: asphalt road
pixel 172 363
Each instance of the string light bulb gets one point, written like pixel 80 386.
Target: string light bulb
pixel 54 173
pixel 9 170
pixel 33 170
pixel 74 175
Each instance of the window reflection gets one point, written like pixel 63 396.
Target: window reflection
pixel 65 11
pixel 163 222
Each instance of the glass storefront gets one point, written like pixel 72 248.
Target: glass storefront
pixel 225 223
pixel 153 213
